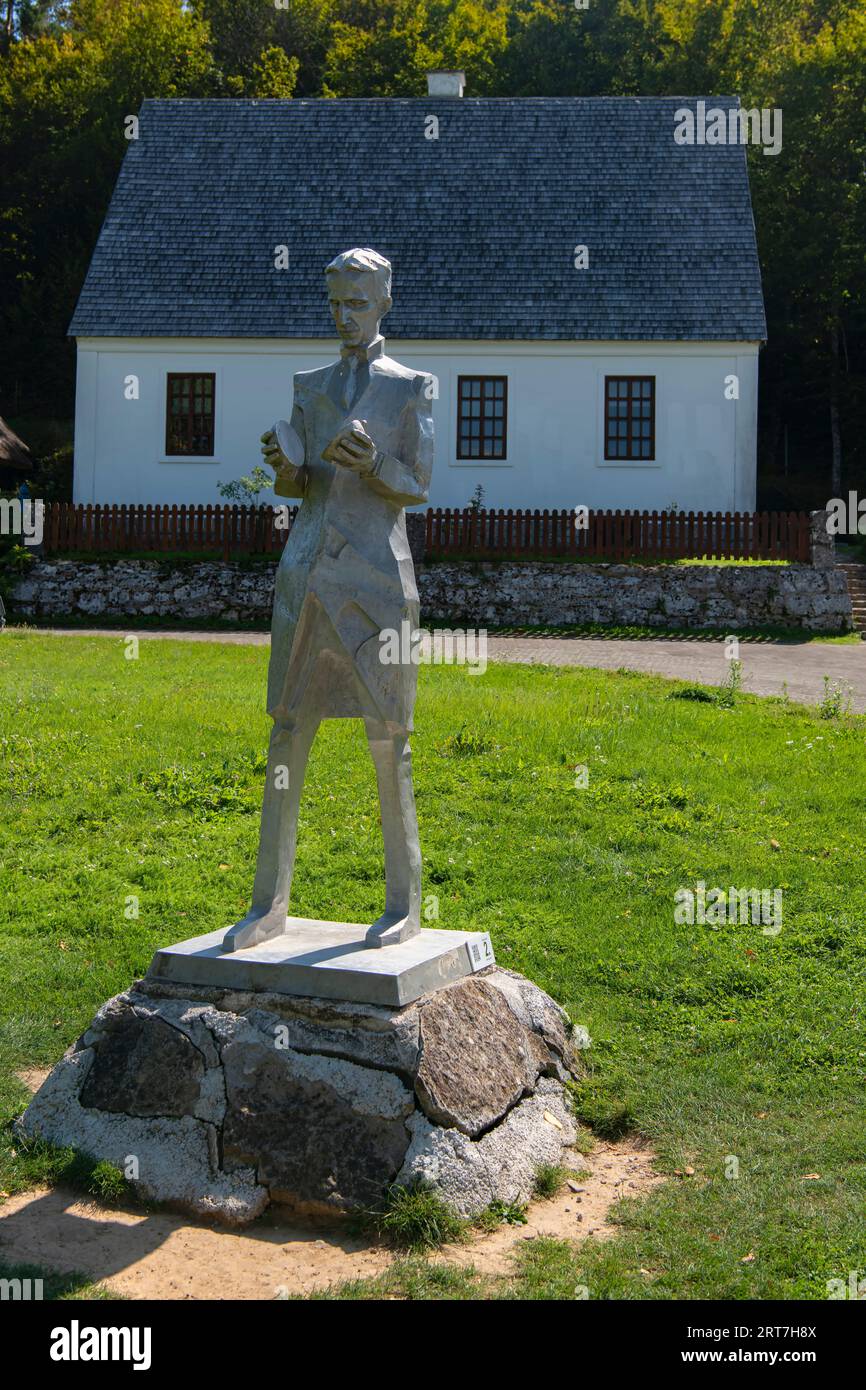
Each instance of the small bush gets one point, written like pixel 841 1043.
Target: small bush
pixel 727 696
pixel 699 693
pixel 607 1116
pixel 53 478
pixel 248 488
pixel 415 1218
pixel 15 560
pixel 107 1183
pixel 548 1180
pixel 466 743
pixel 835 701
pixel 97 1177
pixel 723 698
pixel 502 1214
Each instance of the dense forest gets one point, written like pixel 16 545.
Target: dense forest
pixel 70 73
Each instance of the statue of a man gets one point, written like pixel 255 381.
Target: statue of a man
pixel 358 450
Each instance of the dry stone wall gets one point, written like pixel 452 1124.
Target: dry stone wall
pixel 486 594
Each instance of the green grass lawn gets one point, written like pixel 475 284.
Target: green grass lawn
pixel 141 779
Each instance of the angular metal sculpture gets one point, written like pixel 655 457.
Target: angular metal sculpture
pixel 358 450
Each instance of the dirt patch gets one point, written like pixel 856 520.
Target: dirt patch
pixel 159 1255
pixel 624 1169
pixel 33 1077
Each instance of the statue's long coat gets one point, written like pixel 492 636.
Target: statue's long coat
pixel 346 573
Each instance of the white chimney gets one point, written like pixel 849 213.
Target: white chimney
pixel 445 84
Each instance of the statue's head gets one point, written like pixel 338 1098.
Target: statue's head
pixel 359 294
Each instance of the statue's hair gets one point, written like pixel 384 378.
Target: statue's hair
pixel 365 259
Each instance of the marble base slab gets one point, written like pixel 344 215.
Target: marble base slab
pixel 329 960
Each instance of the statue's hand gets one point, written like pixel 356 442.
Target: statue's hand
pixel 273 454
pixel 284 452
pixel 353 448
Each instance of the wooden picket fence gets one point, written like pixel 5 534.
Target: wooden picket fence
pixel 224 530
pixel 618 535
pixel 468 533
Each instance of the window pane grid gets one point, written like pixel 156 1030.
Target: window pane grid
pixel 189 427
pixel 629 412
pixel 482 410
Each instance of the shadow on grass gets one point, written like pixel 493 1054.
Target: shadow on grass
pixel 35 1283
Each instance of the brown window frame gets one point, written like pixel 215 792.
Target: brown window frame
pixel 171 377
pixel 631 438
pixel 481 457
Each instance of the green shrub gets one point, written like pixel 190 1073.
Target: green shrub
pixel 500 1213
pixel 414 1218
pixel 549 1178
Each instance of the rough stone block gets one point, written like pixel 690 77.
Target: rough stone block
pixel 230 1099
pixel 143 1066
pixel 502 1164
pixel 473 1086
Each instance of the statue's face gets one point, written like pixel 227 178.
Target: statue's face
pixel 355 306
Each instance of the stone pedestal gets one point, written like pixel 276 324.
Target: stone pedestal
pixel 228 1099
pixel 328 960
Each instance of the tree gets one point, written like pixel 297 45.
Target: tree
pixel 241 30
pixel 273 75
pixel 810 206
pixel 64 96
pixel 70 73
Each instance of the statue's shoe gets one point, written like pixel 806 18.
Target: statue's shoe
pixel 391 928
pixel 253 929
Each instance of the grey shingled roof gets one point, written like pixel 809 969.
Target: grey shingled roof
pixel 480 225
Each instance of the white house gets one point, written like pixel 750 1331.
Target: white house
pixel 584 290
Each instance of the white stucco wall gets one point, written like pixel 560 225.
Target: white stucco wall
pixel 705 443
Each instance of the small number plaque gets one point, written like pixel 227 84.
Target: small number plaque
pixel 480 951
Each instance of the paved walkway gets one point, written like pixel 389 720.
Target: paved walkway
pixel 767 666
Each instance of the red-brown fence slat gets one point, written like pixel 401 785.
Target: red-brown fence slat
pixel 605 535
